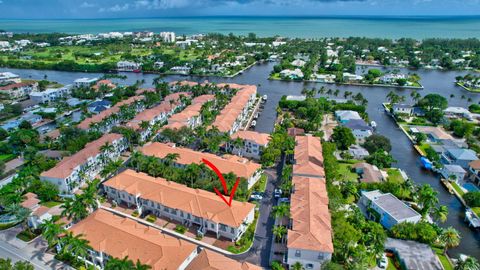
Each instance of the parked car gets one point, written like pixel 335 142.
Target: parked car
pixel 383 262
pixel 284 200
pixel 256 196
pixel 277 193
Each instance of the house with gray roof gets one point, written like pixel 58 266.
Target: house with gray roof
pixel 345 116
pixel 453 172
pixel 413 255
pixel 402 109
pixel 360 129
pixel 459 156
pixel 386 209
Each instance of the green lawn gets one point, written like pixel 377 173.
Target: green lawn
pixel 443 259
pixel 26 236
pixel 476 210
pixel 457 188
pixel 424 147
pixel 391 264
pixel 394 176
pixel 345 172
pixel 50 204
pixel 7 157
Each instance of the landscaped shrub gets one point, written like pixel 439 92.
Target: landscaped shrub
pixel 180 229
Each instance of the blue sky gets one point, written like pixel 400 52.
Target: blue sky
pixel 26 9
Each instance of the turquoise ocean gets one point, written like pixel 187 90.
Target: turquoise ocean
pixel 302 27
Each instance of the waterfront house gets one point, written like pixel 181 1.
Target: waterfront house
pixel 72 172
pixel 84 82
pixel 50 94
pixel 349 77
pixel 459 156
pixel 413 255
pixel 29 117
pixel 358 152
pixel 360 129
pixel 241 167
pixel 474 169
pixel 368 173
pixel 9 77
pixel 128 66
pixel 324 78
pixel 453 172
pixel 402 109
pixel 458 112
pixel 99 106
pixel 110 235
pixel 18 91
pixel 345 116
pixel 292 74
pixel 386 209
pixel 191 207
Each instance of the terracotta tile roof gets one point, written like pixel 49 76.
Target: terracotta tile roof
pixel 311 226
pixel 164 107
pixel 120 237
pixel 198 202
pixel 85 124
pixel 308 156
pixel 65 167
pixel 475 164
pixel 295 132
pixel 180 119
pixel 183 83
pixel 15 85
pixel 257 137
pixel 54 134
pixel 31 201
pixel 209 260
pixel 108 83
pixel 241 167
pixel 227 117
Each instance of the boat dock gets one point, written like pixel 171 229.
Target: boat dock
pixel 472 219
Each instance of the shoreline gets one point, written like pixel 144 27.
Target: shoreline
pixel 351 84
pixel 467 88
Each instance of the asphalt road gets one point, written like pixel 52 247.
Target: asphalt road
pixel 259 253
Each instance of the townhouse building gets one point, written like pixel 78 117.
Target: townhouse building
pixel 50 94
pixel 190 116
pixel 209 260
pixel 110 235
pixel 191 207
pixel 18 91
pixel 73 171
pixel 309 237
pixel 241 167
pixel 84 82
pixel 252 146
pixel 107 119
pixel 235 113
pixel 157 114
pixel 386 209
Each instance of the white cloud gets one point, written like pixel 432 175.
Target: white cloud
pixel 164 4
pixel 115 8
pixel 87 5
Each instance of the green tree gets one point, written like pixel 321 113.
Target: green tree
pixel 472 198
pixel 279 232
pixel 377 142
pixel 433 104
pixel 6 264
pixel 470 263
pixel 51 231
pixel 427 199
pixel 449 238
pixel 281 210
pixel 343 137
pixel 297 266
pixel 119 264
pixel 381 159
pixel 441 213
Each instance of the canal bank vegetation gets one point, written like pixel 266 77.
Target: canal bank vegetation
pixel 469 82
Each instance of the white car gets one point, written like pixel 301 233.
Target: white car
pixel 277 193
pixel 383 262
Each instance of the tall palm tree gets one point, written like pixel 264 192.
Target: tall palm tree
pixel 171 158
pixel 51 232
pixel 78 247
pixel 281 210
pixel 279 232
pixel 427 198
pixel 470 263
pixel 144 125
pixel 450 237
pixel 441 213
pixel 140 266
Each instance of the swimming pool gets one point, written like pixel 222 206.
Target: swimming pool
pixel 470 187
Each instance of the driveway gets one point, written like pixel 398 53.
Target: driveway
pixel 259 253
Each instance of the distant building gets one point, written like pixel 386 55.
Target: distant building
pixel 459 156
pixel 402 109
pixel 9 77
pixel 128 66
pixel 387 209
pixel 413 255
pixel 358 152
pixel 181 70
pixel 292 74
pixel 168 37
pixel 368 173
pixel 349 77
pixel 84 82
pixel 18 91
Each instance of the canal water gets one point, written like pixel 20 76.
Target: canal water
pixel 434 81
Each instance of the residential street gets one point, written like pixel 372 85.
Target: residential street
pixel 259 253
pixel 33 252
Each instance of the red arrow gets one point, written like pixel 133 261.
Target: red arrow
pixel 224 183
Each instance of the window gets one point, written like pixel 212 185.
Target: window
pixel 232 230
pixel 321 256
pixel 223 227
pixel 309 266
pixel 297 253
pixel 212 226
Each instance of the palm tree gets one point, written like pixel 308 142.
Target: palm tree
pixel 470 263
pixel 450 237
pixel 144 125
pixel 441 213
pixel 140 266
pixel 427 198
pixel 170 158
pixel 78 247
pixel 119 264
pixel 281 210
pixel 297 266
pixel 51 231
pixel 279 232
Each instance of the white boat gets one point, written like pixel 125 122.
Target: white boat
pixel 373 124
pixel 264 98
pixel 253 124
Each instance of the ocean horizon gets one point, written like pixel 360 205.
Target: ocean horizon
pixel 418 27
